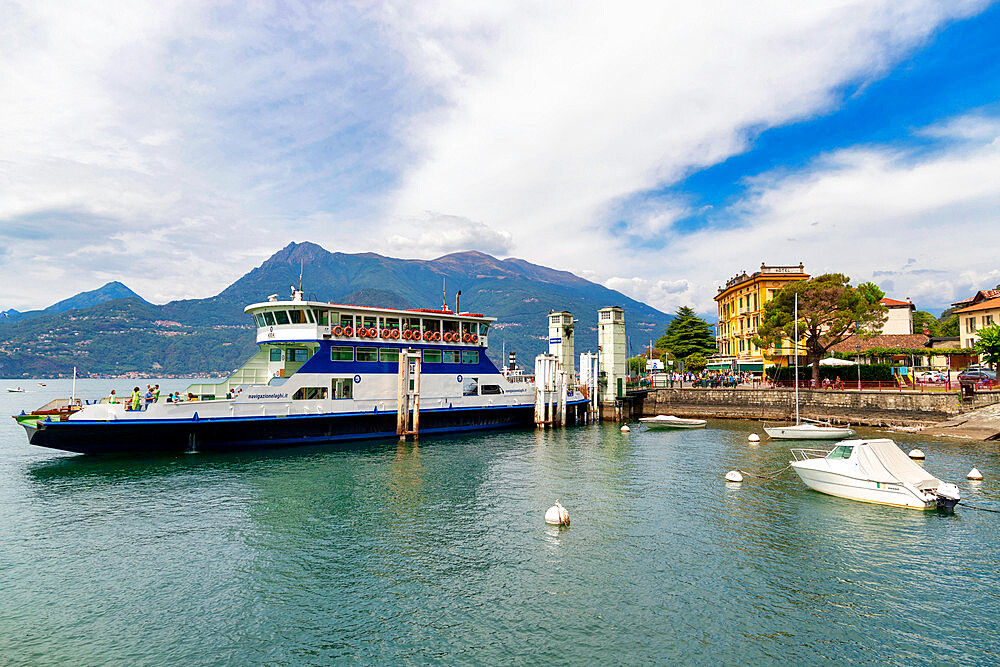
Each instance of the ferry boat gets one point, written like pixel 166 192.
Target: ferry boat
pixel 322 373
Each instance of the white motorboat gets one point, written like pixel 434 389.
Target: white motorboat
pixel 15 391
pixel 670 421
pixel 809 429
pixel 873 471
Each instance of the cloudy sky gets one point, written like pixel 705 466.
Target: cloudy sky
pixel 656 147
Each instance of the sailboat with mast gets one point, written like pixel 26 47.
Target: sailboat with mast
pixel 805 429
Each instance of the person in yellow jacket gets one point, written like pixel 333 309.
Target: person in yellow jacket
pixel 136 399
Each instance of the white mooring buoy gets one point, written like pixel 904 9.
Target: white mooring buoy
pixel 734 476
pixel 974 474
pixel 557 515
pixel 917 454
pixel 625 428
pixel 753 437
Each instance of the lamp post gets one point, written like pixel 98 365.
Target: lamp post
pixel 857 354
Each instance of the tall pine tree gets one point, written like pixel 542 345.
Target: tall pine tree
pixel 687 334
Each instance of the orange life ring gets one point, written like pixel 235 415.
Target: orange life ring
pixel 348 331
pixel 475 338
pixel 452 337
pixel 394 333
pixel 362 332
pixel 435 335
pixel 465 338
pixel 417 335
pixel 385 333
pixel 338 330
pixel 373 333
pixel 407 334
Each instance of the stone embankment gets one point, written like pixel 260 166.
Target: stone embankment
pixel 981 424
pixel 867 408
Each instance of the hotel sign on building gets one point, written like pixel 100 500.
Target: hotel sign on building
pixel 741 303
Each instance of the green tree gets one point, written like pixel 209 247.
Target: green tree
pixel 872 292
pixel 635 365
pixel 988 344
pixel 695 362
pixel 948 326
pixel 686 334
pixel 830 311
pixel 922 317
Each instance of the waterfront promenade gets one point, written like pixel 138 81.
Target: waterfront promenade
pixel 900 408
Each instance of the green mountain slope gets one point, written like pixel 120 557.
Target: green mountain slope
pixel 200 335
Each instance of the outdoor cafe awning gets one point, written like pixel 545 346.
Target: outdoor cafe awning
pixel 740 366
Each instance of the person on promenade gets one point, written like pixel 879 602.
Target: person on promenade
pixel 136 399
pixel 113 398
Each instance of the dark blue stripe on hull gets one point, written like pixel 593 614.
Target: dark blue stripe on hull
pixel 176 435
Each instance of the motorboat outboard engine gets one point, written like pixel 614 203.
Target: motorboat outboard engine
pixel 947 496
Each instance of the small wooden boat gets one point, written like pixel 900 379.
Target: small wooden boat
pixel 670 421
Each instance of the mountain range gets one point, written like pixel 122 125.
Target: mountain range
pixel 112 330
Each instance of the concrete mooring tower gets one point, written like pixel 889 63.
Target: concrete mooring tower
pixel 612 352
pixel 561 340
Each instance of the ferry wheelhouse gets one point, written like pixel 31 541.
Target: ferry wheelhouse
pixel 322 373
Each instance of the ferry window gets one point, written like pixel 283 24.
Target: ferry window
pixel 388 354
pixel 432 356
pixel 281 317
pixel 470 387
pixel 269 318
pixel 390 323
pixel 466 328
pixel 433 325
pixel 309 394
pixel 470 356
pixel 413 324
pixel 489 389
pixel 309 312
pixel 341 353
pixel 450 357
pixel 298 354
pixel 483 328
pixel 321 317
pixel 450 326
pixel 275 354
pixel 369 322
pixel 347 320
pixel 841 452
pixel 297 316
pixel 260 320
pixel 367 354
pixel 343 388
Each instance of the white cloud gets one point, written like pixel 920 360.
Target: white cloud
pixel 558 113
pixel 434 234
pixel 173 145
pixel 666 295
pixel 927 226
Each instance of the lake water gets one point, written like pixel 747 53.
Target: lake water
pixel 437 553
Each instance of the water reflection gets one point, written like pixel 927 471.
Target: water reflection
pixel 437 551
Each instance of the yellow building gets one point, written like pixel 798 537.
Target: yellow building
pixel 741 303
